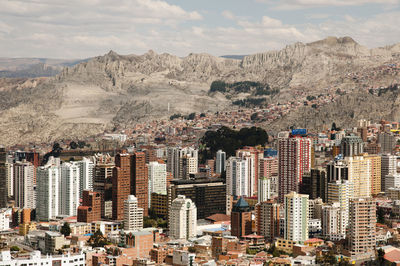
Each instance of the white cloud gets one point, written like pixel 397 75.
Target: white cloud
pixel 228 14
pixel 299 4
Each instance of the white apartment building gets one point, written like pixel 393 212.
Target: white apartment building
pixel 69 189
pixel 35 258
pixel 296 217
pixel 133 216
pixel 48 181
pixel 24 187
pixel 182 218
pixel 86 174
pixel 157 179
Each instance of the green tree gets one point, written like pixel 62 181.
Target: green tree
pixel 65 229
pixel 73 145
pixel 97 240
pixel 15 248
pixel 380 216
pixel 192 249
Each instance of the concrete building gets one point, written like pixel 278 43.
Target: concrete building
pixel 294 158
pixel 391 181
pixel 351 145
pixel 3 178
pixel 361 231
pixel 237 176
pixel 24 186
pixel 47 191
pixel 133 215
pixel 10 178
pixel 264 189
pixel 296 217
pixel 331 222
pixel 314 184
pixel 267 220
pixel 341 192
pixel 388 166
pixel 157 179
pixel 102 183
pixel 220 162
pixel 182 218
pixel 337 170
pixel 86 174
pixel 69 189
pixel 375 172
pixel 35 258
pixel 209 195
pixel 360 175
pixel 5 219
pixel 387 141
pixel 120 185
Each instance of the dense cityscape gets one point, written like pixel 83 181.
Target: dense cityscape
pixel 298 197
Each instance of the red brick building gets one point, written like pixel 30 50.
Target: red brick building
pixel 120 184
pixel 90 210
pixel 241 223
pixel 140 181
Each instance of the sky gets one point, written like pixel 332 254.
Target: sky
pixel 72 29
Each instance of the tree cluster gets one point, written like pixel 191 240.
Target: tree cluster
pixel 55 152
pixel 230 140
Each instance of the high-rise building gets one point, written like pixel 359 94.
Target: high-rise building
pixel 255 156
pixel 140 181
pixel 209 195
pixel 220 163
pixel 10 178
pixel 361 231
pixel 157 179
pixel 360 175
pixel 264 189
pixel 375 172
pixel 351 145
pixel 182 162
pixel 241 222
pixel 269 167
pixel 173 161
pixel 294 159
pixel 47 191
pixel 120 184
pixel 267 219
pixel 388 166
pixel 182 218
pixel 314 184
pixel 337 170
pixel 69 189
pixel 24 187
pixel 86 175
pixel 237 176
pixel 387 141
pixel 133 215
pixel 296 217
pixel 331 221
pixel 102 183
pixel 392 181
pixel 90 210
pixel 341 191
pixel 3 178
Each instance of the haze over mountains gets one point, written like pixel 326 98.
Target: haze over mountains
pixel 117 90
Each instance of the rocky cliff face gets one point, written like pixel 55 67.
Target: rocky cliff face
pixel 119 90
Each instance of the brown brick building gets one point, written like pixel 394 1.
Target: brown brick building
pixel 90 210
pixel 120 184
pixel 241 223
pixel 140 181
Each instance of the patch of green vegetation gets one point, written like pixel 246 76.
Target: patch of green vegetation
pixel 255 88
pixel 250 102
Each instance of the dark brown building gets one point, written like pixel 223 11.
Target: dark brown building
pixel 208 194
pixel 102 183
pixel 120 184
pixel 140 181
pixel 241 224
pixel 315 184
pixel 91 207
